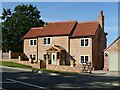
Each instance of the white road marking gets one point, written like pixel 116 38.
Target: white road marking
pixel 27 84
pixel 6 82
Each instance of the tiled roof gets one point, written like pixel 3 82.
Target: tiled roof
pixel 58 28
pixel 33 32
pixel 85 29
pixel 73 28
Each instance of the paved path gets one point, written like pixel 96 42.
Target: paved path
pixel 16 79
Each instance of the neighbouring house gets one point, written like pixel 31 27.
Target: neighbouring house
pixel 111 55
pixel 68 44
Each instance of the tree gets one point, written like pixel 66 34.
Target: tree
pixel 16 24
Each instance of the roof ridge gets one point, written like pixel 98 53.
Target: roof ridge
pixel 88 22
pixel 37 27
pixel 64 21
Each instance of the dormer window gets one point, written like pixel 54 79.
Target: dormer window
pixel 84 42
pixel 46 41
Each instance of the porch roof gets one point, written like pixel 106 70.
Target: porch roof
pixel 55 48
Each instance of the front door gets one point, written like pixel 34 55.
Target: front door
pixel 54 58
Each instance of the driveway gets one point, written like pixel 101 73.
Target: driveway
pixel 16 79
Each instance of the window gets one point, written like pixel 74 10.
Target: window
pixel 33 56
pixel 45 56
pixel 47 41
pixel 30 56
pixel 33 42
pixel 83 59
pixel 83 42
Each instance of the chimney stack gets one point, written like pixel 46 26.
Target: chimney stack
pixel 101 19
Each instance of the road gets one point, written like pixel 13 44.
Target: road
pixel 16 79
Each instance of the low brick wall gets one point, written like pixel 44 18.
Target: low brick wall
pixel 64 68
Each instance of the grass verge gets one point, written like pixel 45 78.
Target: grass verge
pixel 13 64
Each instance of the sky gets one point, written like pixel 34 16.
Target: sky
pixel 80 11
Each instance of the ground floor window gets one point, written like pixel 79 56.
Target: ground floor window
pixel 84 58
pixel 33 56
pixel 45 56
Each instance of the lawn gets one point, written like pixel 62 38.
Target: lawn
pixel 13 64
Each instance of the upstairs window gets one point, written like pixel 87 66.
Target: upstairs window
pixel 47 41
pixel 33 42
pixel 84 42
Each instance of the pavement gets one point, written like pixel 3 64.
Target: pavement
pixel 20 79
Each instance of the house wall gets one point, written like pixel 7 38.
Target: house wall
pixel 76 50
pixel 56 40
pixel 99 44
pixel 28 49
pixel 114 48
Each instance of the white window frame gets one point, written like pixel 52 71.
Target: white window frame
pixel 84 42
pixel 33 42
pixel 47 41
pixel 84 58
pixel 33 55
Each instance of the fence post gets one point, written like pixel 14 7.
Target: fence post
pixel 10 54
pixel 1 54
pixel 19 58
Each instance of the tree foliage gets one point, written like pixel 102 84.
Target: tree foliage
pixel 16 24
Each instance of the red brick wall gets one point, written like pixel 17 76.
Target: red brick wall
pixel 99 44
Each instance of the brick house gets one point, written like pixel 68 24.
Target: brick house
pixel 111 55
pixel 68 43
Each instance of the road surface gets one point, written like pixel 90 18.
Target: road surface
pixel 16 79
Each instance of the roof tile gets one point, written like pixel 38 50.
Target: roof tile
pixel 33 32
pixel 58 28
pixel 64 28
pixel 85 29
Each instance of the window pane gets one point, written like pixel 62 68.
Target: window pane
pixel 31 42
pixel 48 56
pixel 34 57
pixel 30 56
pixel 82 42
pixel 35 42
pixel 44 56
pixel 82 59
pixel 48 40
pixel 86 42
pixel 44 40
pixel 86 59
